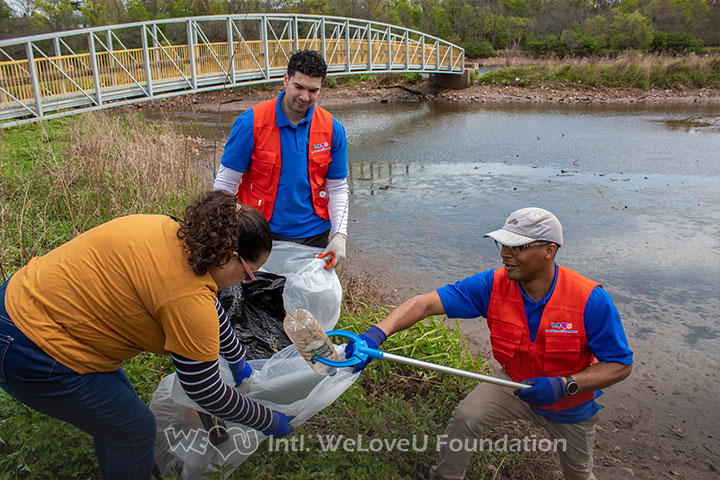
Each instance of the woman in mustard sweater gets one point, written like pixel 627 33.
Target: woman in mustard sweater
pixel 138 283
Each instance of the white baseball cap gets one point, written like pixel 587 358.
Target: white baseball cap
pixel 529 225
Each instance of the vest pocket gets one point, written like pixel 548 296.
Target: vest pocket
pixel 250 197
pixel 505 340
pixel 5 342
pixel 562 354
pixel 321 158
pixel 262 166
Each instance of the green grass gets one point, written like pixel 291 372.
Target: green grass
pixel 656 72
pixel 390 402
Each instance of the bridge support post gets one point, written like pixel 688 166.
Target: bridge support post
pixel 369 49
pixel 437 55
pixel 452 81
pixel 389 49
pixel 266 47
pixel 191 51
pixel 323 44
pixel 34 78
pixel 296 40
pixel 348 60
pixel 231 50
pixel 146 60
pixel 407 51
pixel 94 66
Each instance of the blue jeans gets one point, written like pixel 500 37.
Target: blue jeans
pixel 104 405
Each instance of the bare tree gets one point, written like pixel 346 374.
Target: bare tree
pixel 24 8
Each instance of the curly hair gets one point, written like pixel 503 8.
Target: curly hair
pixel 216 225
pixel 307 62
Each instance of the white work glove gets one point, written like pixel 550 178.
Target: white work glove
pixel 335 250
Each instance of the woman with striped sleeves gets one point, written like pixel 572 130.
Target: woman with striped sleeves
pixel 138 283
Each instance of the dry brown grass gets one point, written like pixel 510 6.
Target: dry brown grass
pixel 135 167
pixel 362 297
pixel 60 178
pixel 619 60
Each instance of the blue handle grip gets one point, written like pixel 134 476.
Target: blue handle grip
pixel 360 353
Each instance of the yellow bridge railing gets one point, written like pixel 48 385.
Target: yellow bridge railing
pixel 43 86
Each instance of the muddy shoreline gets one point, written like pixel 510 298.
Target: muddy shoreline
pixel 240 99
pixel 655 423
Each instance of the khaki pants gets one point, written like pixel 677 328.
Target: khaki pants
pixel 489 405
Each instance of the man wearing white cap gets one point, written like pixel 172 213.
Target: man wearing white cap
pixel 550 327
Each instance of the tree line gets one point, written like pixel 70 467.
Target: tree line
pixel 541 27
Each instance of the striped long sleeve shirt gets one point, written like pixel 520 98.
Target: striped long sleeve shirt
pixel 203 384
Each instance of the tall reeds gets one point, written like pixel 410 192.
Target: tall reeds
pixel 63 177
pixel 625 71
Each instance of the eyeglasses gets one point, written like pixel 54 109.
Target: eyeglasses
pixel 250 275
pixel 520 248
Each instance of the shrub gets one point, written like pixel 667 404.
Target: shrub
pixel 479 49
pixel 545 44
pixel 412 78
pixel 676 42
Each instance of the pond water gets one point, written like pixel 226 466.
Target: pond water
pixel 636 188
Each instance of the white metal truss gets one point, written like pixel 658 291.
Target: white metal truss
pixel 63 73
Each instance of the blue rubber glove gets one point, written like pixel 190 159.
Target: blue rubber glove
pixel 279 426
pixel 544 391
pixel 374 337
pixel 240 370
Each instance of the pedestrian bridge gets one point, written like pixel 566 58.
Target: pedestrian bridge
pixel 62 73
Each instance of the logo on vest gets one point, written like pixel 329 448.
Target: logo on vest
pixel 320 147
pixel 561 327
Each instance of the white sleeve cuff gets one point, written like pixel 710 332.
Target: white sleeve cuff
pixel 227 179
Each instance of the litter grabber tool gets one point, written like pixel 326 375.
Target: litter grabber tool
pixel 361 352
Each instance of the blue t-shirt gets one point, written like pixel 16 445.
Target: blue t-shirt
pixel 470 298
pixel 293 215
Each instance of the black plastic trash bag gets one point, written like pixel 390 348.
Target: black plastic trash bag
pixel 256 311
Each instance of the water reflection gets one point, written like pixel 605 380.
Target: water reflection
pixel 694 125
pixel 372 176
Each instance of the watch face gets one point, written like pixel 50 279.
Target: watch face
pixel 572 388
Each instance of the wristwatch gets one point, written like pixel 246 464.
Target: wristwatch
pixel 572 387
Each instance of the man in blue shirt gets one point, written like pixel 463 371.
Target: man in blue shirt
pixel 549 327
pixel 287 157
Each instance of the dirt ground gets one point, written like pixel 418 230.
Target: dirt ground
pixel 654 424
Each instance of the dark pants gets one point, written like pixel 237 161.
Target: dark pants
pixel 104 405
pixel 320 240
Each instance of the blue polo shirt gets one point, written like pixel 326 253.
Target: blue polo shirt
pixel 469 298
pixel 293 215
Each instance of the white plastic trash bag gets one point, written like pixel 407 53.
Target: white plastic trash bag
pixel 308 284
pixel 284 382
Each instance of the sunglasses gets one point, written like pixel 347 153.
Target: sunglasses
pixel 520 248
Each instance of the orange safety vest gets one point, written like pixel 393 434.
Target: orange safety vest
pixel 560 346
pixel 260 183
